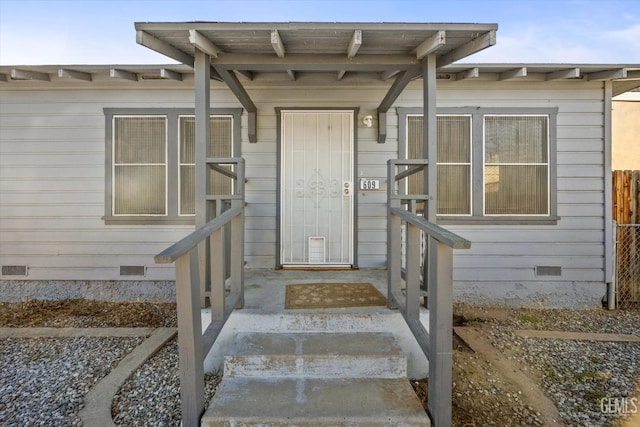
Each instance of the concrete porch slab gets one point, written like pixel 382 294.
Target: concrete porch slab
pixel 264 312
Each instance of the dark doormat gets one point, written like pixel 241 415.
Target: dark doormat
pixel 333 295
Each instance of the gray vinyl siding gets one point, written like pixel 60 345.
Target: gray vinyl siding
pixel 52 186
pixel 52 175
pixel 509 253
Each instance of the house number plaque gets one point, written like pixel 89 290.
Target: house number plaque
pixel 369 184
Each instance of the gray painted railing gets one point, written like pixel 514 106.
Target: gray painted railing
pixel 223 236
pixel 438 271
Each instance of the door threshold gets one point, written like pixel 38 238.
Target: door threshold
pixel 316 267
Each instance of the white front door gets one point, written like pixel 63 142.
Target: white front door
pixel 316 188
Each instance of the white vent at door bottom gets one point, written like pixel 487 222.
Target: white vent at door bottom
pixel 317 250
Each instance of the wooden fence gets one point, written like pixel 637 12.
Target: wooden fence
pixel 626 197
pixel 626 214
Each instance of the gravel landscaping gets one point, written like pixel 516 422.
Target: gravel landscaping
pixel 582 378
pixel 151 396
pixel 43 381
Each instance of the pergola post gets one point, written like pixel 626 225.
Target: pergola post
pixel 430 133
pixel 202 79
pixel 437 274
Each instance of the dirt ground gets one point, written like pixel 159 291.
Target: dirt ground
pixel 86 314
pixel 481 395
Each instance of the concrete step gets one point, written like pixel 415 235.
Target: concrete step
pixel 243 401
pixel 315 379
pixel 315 355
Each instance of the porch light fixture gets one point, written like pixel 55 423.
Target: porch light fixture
pixel 368 121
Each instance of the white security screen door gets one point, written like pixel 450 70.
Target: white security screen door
pixel 317 188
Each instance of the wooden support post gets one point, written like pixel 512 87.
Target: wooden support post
pixel 430 149
pixel 237 258
pixel 217 262
pixel 413 273
pixel 430 135
pixel 190 339
pixel 394 244
pixel 202 69
pixel 440 333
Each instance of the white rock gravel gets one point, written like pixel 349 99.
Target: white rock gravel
pixel 43 380
pixel 583 379
pixel 151 396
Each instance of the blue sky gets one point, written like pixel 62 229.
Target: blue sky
pixel 102 32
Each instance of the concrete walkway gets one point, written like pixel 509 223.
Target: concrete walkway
pixel 578 336
pixel 533 394
pixel 75 332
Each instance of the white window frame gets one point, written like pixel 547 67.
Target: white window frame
pixel 114 164
pixel 172 172
pixel 485 163
pixel 477 114
pixel 470 163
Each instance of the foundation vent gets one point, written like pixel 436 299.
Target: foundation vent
pixel 14 270
pixel 317 250
pixel 548 270
pixel 132 270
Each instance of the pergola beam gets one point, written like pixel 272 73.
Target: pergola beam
pixel 571 73
pixel 239 91
pixel 170 74
pixel 314 62
pixel 277 44
pixel 513 74
pixel 354 44
pixel 29 75
pixel 394 91
pixel 431 44
pixel 203 44
pixel 352 50
pixel 145 39
pixel 388 74
pixel 247 74
pixel 476 45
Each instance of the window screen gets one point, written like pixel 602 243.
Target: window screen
pixel 454 161
pixel 516 165
pixel 140 166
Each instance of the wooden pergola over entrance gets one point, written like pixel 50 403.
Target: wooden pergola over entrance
pixel 398 52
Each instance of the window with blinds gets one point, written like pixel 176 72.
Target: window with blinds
pixel 494 164
pixel 139 165
pixel 454 161
pixel 220 145
pixel 516 165
pixel 150 168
